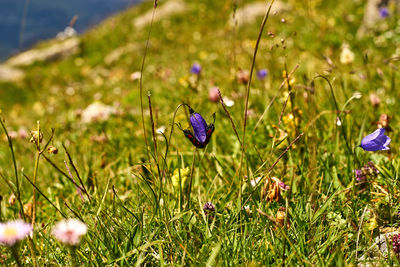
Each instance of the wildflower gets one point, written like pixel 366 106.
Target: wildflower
pixel 281 184
pixel 396 244
pixel 35 136
pixel 243 76
pixel 280 217
pixel 384 12
pixel 290 81
pixel 367 171
pixel 202 131
pixel 13 134
pixel 247 209
pixel 135 76
pixel 13 231
pixel 360 176
pixel 11 200
pixel 161 129
pixel 69 232
pixel 272 189
pixel 209 210
pixel 228 102
pixel 184 173
pixel 213 94
pixel 22 133
pixel 28 210
pixel 375 99
pixel 261 74
pixel 196 69
pixel 376 141
pixel 96 112
pixel 52 150
pixel 346 56
pixel 255 181
pixel 383 122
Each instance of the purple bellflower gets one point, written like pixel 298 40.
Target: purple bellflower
pixel 376 141
pixel 196 69
pixel 199 125
pixel 201 131
pixel 384 12
pixel 261 74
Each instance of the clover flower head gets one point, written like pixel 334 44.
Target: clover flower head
pixel 208 208
pixel 196 69
pixel 376 141
pixel 13 231
pixel 69 232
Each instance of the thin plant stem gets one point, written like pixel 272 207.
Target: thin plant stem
pixel 141 81
pixel 191 177
pixel 10 145
pixel 37 141
pixel 247 101
pixel 229 116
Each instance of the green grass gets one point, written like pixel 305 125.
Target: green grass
pixel 128 224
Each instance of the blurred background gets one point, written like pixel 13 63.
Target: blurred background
pixel 45 18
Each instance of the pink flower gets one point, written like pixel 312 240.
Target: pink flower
pixel 213 94
pixel 13 231
pixel 281 184
pixel 69 232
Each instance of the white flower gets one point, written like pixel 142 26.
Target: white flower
pixel 13 231
pixel 346 56
pixel 228 102
pixel 135 76
pixel 69 231
pixel 97 111
pixel 161 129
pixel 254 182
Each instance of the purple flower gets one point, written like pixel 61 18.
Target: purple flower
pixel 208 208
pixel 199 126
pixel 360 176
pixel 261 74
pixel 196 69
pixel 396 244
pixel 376 141
pixel 202 132
pixel 384 12
pixel 367 171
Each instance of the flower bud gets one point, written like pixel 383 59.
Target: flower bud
pixel 11 200
pixel 36 136
pixel 52 150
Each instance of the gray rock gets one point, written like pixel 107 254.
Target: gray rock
pixel 58 50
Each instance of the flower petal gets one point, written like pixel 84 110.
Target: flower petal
pixel 199 127
pixel 372 136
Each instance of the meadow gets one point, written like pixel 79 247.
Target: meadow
pixel 287 175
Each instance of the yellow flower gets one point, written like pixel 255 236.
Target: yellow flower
pixel 291 81
pixel 184 81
